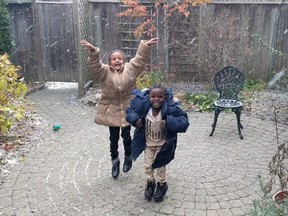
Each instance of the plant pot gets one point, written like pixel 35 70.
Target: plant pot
pixel 279 197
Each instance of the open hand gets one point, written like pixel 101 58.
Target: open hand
pixel 87 46
pixel 151 41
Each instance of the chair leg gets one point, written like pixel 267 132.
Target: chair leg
pixel 237 111
pixel 216 114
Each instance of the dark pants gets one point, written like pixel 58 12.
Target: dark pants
pixel 114 138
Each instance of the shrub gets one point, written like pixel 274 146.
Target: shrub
pixel 150 78
pixel 265 205
pixel 214 46
pixel 203 102
pixel 11 94
pixel 254 85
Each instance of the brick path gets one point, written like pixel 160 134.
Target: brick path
pixel 69 174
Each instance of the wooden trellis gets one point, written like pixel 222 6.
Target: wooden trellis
pixel 181 31
pixel 127 25
pixel 81 20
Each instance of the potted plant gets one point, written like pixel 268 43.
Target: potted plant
pixel 278 168
pixel 265 206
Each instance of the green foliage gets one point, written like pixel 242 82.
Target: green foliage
pixel 11 95
pixel 254 85
pixel 266 206
pixel 5 37
pixel 149 79
pixel 203 102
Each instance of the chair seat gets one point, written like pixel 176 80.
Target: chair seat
pixel 227 103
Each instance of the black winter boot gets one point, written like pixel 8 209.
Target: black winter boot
pixel 127 163
pixel 115 167
pixel 149 191
pixel 160 191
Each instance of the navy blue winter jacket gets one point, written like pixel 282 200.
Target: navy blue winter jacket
pixel 176 122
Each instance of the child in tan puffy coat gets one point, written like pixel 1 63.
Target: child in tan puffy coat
pixel 117 79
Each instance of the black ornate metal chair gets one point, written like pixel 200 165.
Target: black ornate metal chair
pixel 228 82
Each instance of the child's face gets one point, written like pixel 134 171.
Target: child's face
pixel 117 60
pixel 157 97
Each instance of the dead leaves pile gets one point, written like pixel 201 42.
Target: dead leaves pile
pixel 22 138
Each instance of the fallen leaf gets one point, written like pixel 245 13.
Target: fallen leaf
pixel 21 158
pixel 8 147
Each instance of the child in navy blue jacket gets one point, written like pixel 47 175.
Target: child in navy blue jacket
pixel 158 119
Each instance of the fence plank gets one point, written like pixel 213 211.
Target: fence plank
pixel 60 59
pixel 58 42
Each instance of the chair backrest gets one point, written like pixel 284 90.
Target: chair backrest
pixel 229 82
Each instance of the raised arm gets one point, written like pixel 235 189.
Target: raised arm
pixel 151 41
pixel 87 46
pixel 141 58
pixel 95 64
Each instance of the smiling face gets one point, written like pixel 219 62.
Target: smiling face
pixel 116 60
pixel 157 98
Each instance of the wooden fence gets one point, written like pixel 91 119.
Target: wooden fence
pixel 47 52
pixel 23 35
pixel 46 38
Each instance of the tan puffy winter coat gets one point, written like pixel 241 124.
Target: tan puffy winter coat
pixel 116 86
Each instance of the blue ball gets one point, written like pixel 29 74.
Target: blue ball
pixel 56 127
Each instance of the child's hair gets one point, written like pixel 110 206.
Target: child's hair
pixel 158 85
pixel 119 51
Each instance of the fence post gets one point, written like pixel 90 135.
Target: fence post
pixel 80 20
pixel 36 28
pixel 166 45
